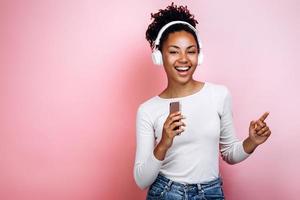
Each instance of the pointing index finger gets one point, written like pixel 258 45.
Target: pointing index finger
pixel 264 116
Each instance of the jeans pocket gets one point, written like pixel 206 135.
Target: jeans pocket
pixel 215 192
pixel 156 192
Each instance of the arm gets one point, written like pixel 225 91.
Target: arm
pixel 149 159
pixel 146 166
pixel 232 150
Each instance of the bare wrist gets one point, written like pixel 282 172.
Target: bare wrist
pixel 160 151
pixel 249 145
pixel 162 146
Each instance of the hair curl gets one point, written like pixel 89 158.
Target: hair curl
pixel 164 16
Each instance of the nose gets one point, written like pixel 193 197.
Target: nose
pixel 183 58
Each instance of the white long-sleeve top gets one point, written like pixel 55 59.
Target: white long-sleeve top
pixel 194 155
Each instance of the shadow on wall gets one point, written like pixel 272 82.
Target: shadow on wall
pixel 140 80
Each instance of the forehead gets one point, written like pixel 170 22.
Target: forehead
pixel 180 38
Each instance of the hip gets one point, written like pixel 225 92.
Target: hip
pixel 165 189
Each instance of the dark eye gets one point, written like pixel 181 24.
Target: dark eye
pixel 192 52
pixel 173 52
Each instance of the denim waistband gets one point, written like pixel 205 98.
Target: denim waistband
pixel 208 184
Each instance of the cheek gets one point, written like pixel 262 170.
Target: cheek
pixel 169 59
pixel 193 58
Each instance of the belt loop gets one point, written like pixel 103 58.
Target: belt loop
pixel 168 187
pixel 199 188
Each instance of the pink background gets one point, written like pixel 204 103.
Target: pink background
pixel 72 74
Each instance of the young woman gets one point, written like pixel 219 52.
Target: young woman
pixel 177 154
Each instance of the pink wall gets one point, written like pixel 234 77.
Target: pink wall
pixel 72 74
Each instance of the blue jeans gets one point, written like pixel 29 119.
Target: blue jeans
pixel 166 189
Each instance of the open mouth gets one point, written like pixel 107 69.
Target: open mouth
pixel 182 68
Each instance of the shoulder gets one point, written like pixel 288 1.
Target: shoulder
pixel 148 107
pixel 221 96
pixel 219 90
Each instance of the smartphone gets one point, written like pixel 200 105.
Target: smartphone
pixel 175 107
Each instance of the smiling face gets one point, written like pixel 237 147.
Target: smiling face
pixel 180 57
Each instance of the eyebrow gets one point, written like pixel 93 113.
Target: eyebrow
pixel 179 47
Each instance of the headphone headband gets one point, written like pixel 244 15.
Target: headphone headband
pixel 162 30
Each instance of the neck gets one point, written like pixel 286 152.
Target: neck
pixel 175 90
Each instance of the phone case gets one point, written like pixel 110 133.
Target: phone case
pixel 175 107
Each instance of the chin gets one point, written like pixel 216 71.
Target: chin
pixel 183 80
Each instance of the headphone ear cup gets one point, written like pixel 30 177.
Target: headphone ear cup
pixel 157 57
pixel 200 57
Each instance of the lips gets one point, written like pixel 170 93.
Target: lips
pixel 182 70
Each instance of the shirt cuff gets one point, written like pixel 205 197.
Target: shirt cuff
pixel 243 153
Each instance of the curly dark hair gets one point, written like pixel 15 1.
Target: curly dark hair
pixel 164 16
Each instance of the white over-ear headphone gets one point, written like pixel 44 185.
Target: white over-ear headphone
pixel 157 55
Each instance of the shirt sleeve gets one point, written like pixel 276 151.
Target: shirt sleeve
pixel 146 166
pixel 232 150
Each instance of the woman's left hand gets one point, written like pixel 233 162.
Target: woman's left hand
pixel 258 130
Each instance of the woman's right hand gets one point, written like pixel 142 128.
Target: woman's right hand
pixel 173 126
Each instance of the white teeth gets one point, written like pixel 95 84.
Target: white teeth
pixel 182 68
